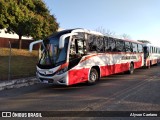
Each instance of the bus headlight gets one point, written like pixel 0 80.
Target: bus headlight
pixel 62 71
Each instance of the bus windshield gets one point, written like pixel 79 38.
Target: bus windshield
pixel 51 54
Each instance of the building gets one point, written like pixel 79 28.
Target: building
pixel 14 40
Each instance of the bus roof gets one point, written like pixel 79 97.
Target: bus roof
pixel 134 41
pixel 87 31
pixel 150 45
pixel 58 34
pixel 100 34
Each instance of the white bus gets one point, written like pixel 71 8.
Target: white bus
pixel 151 55
pixel 79 55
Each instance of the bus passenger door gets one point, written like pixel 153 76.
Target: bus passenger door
pixel 76 64
pixel 146 55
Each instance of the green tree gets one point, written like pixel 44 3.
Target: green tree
pixel 27 18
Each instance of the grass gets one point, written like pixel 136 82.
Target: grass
pixel 23 63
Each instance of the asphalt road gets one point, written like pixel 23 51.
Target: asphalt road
pixel 121 92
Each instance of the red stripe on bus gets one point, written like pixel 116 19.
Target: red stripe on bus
pixel 98 54
pixel 88 57
pixel 63 66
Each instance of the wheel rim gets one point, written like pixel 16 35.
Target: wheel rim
pixel 93 76
pixel 131 68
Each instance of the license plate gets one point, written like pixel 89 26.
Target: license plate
pixel 45 81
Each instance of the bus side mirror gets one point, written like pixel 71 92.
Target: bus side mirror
pixel 33 43
pixel 62 39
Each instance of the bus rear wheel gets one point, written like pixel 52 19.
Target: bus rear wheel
pixel 93 76
pixel 131 68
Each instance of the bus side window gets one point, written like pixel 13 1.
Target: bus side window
pixel 95 43
pixel 128 47
pixel 150 49
pixel 131 46
pixel 77 48
pixel 111 44
pixel 120 46
pixel 154 50
pixel 99 44
pixel 134 47
pixel 92 42
pixel 72 49
pixel 140 48
pixel 81 46
pixel 106 44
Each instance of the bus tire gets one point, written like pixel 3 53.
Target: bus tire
pixel 131 68
pixel 156 63
pixel 149 65
pixel 93 76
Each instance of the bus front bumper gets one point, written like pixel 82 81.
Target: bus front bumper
pixel 56 79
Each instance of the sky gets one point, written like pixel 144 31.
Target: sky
pixel 140 19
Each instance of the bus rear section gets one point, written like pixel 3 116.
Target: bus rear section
pixel 151 55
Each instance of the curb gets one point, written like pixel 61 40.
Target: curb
pixel 17 83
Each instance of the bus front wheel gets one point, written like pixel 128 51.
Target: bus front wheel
pixel 93 76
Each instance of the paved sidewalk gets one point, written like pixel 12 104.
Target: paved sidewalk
pixel 17 83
